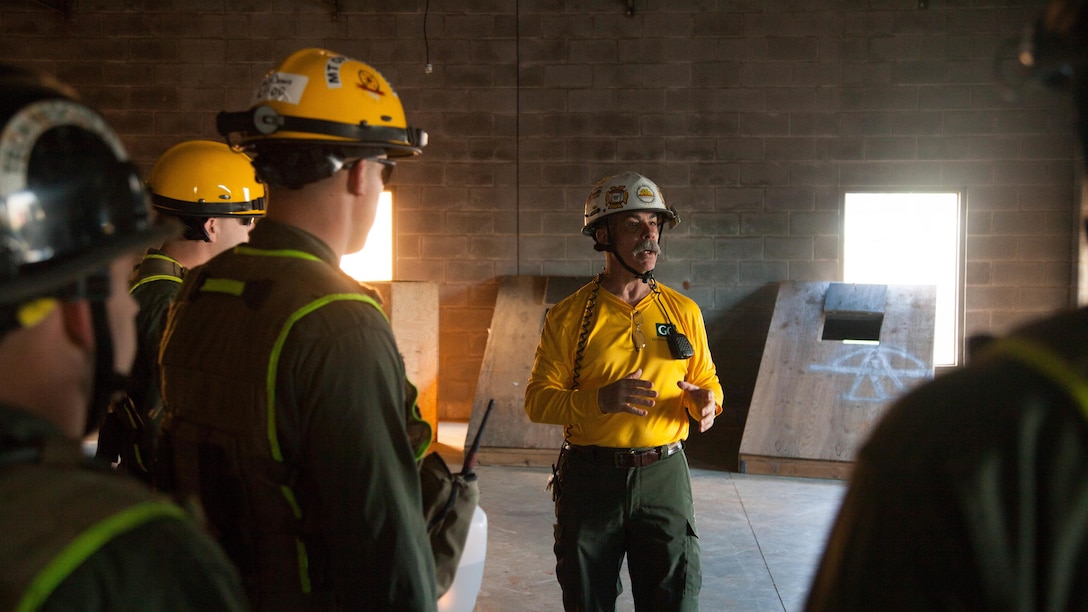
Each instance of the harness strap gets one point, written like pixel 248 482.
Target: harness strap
pixel 157 267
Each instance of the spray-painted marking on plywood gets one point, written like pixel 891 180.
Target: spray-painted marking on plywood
pixel 879 372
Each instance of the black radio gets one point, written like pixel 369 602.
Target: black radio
pixel 679 345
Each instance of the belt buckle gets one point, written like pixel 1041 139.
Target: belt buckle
pixel 625 459
pixel 633 458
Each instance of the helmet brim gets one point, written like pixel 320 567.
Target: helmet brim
pixel 670 216
pixel 56 274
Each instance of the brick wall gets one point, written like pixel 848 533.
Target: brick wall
pixel 753 115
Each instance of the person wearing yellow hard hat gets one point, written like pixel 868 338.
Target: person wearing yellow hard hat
pixel 213 191
pixel 73 214
pixel 284 391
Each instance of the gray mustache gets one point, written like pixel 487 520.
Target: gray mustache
pixel 647 245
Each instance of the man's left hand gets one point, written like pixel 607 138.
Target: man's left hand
pixel 703 402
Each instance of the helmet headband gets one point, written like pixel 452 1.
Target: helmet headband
pixel 264 121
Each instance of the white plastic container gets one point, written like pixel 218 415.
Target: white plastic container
pixel 461 596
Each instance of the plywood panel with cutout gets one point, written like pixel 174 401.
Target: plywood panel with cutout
pixel 816 400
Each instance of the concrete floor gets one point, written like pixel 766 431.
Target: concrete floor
pixel 761 537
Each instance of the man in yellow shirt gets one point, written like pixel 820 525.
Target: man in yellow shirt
pixel 624 363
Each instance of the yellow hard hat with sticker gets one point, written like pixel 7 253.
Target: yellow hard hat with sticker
pixel 319 96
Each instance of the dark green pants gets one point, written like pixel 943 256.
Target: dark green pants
pixel 604 512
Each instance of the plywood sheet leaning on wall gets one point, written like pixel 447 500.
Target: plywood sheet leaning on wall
pixel 510 438
pixel 412 308
pixel 816 400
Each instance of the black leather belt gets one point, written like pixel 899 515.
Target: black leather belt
pixel 626 457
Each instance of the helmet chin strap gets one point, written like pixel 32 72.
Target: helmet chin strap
pixel 646 277
pixel 107 381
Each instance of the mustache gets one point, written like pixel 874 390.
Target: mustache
pixel 647 245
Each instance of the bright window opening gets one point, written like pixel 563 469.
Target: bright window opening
pixel 375 261
pixel 909 239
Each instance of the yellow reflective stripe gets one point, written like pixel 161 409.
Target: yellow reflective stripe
pixel 152 278
pixel 235 287
pixel 277 349
pixel 303 566
pixel 35 311
pixel 86 544
pixel 291 501
pixel 139 458
pixel 1048 363
pixel 417 416
pixel 270 393
pixel 300 546
pixel 158 277
pixel 248 250
pixel 223 285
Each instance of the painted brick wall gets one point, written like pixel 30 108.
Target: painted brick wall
pixel 753 115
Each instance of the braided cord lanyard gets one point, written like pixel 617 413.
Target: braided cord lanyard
pixel 583 341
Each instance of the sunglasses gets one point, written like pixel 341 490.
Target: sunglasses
pixel 387 167
pixel 636 334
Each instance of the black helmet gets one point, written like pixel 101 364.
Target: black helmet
pixel 70 199
pixel 1054 48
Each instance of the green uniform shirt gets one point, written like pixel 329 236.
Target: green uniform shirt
pixel 80 537
pixel 972 492
pixel 154 293
pixel 338 425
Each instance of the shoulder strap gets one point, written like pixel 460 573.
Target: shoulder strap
pixel 89 542
pixel 1048 363
pixel 45 549
pixel 156 267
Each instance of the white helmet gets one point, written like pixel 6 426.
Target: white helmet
pixel 625 192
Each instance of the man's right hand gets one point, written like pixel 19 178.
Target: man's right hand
pixel 626 395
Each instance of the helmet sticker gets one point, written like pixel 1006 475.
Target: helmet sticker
pixel 593 196
pixel 23 129
pixel 616 197
pixel 332 71
pixel 645 194
pixel 281 87
pixel 368 81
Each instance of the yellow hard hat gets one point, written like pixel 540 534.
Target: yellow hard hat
pixel 203 178
pixel 317 96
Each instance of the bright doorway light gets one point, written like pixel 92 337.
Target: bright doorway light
pixel 375 261
pixel 908 239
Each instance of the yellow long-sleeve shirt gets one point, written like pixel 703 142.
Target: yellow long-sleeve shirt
pixel 608 356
